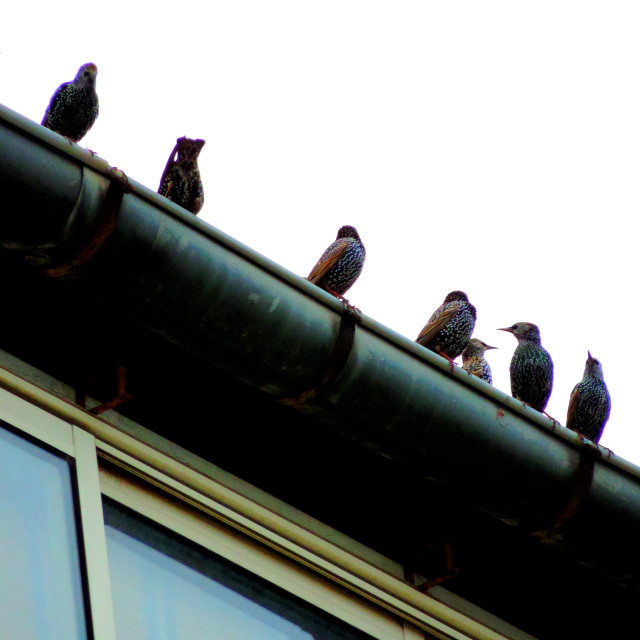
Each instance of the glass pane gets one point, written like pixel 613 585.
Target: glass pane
pixel 166 589
pixel 40 584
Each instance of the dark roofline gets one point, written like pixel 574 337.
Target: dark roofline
pixel 70 217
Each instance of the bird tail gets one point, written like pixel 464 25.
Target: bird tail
pixel 170 162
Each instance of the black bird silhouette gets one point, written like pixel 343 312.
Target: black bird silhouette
pixel 531 367
pixel 341 264
pixel 450 327
pixel 590 402
pixel 473 360
pixel 181 182
pixel 73 108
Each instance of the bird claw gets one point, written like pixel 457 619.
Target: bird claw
pixel 351 310
pixel 609 451
pixel 555 422
pixel 335 294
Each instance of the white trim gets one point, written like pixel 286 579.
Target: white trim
pixel 252 521
pixel 411 633
pixel 94 538
pixel 250 554
pixel 288 539
pixel 35 422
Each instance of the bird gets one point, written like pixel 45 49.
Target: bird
pixel 450 327
pixel 531 367
pixel 590 402
pixel 341 264
pixel 473 360
pixel 73 108
pixel 180 180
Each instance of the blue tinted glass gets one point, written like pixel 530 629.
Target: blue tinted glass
pixel 40 584
pixel 165 589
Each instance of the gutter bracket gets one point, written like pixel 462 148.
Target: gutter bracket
pixel 578 490
pixel 338 357
pixel 107 218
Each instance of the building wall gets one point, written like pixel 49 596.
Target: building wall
pixel 107 536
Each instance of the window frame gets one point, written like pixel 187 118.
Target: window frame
pixel 213 515
pixel 70 441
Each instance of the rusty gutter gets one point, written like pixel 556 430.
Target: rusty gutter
pixel 69 216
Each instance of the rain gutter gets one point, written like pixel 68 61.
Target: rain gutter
pixel 69 216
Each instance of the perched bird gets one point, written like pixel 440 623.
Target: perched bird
pixel 73 108
pixel 450 327
pixel 531 367
pixel 590 402
pixel 341 264
pixel 473 360
pixel 181 181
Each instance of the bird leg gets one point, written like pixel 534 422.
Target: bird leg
pixel 328 289
pixel 555 422
pixel 446 357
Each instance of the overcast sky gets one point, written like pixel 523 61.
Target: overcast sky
pixel 485 146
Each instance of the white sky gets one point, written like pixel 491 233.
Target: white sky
pixel 485 146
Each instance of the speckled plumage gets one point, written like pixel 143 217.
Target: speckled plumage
pixel 590 402
pixel 73 108
pixel 341 264
pixel 181 182
pixel 473 360
pixel 531 367
pixel 450 327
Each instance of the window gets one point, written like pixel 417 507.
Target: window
pixel 40 580
pixel 167 589
pixel 111 528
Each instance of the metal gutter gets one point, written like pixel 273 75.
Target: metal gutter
pixel 71 217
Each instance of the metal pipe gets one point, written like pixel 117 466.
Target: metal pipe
pixel 211 295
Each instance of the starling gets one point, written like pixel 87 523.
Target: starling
pixel 531 367
pixel 450 327
pixel 473 360
pixel 341 264
pixel 590 402
pixel 74 106
pixel 181 181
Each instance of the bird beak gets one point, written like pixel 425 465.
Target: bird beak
pixel 488 347
pixel 508 330
pixel 589 355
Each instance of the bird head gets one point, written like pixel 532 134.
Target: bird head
pixel 476 347
pixel 87 75
pixel 524 332
pixel 188 149
pixel 482 345
pixel 348 231
pixel 457 295
pixel 593 366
